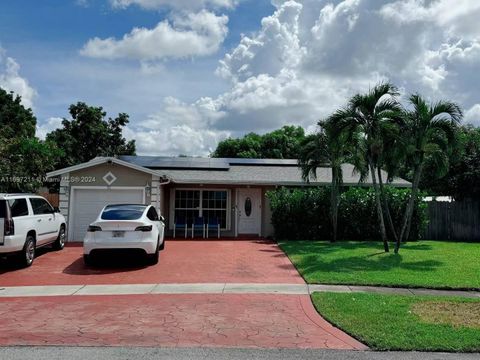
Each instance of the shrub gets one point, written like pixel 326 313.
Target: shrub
pixel 304 213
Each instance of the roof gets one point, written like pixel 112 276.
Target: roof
pixel 99 161
pixel 267 175
pixel 190 170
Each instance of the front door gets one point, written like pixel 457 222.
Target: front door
pixel 249 211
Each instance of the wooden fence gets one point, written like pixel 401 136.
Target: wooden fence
pixel 454 221
pixel 53 199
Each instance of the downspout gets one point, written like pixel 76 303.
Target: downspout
pixel 159 185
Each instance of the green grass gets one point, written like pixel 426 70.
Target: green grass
pixel 430 264
pixel 388 322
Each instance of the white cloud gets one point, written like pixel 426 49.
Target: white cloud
pixel 304 61
pixel 11 80
pixel 194 34
pixel 310 56
pixel 176 4
pixel 455 16
pixel 472 115
pixel 48 126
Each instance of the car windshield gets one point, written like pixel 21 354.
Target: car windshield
pixel 123 212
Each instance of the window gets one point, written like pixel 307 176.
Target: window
pixel 152 214
pixel 187 206
pixel 3 209
pixel 209 204
pixel 123 212
pixel 18 207
pixel 40 206
pixel 214 206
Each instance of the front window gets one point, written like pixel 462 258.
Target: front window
pixel 212 205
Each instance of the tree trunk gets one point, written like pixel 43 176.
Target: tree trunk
pixel 411 202
pixel 383 231
pixel 386 205
pixel 334 203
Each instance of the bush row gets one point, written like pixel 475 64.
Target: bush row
pixel 304 214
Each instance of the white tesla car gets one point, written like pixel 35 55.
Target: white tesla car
pixel 126 226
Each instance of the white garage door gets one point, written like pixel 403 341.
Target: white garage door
pixel 87 203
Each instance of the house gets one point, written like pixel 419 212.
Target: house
pixel 230 190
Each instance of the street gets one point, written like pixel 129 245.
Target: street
pixel 144 353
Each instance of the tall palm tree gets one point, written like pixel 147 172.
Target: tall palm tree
pixel 369 117
pixel 321 149
pixel 430 130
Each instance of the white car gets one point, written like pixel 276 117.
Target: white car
pixel 126 226
pixel 28 222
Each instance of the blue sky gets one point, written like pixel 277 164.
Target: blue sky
pixel 196 71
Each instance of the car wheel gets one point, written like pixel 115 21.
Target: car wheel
pixel 153 258
pixel 27 255
pixel 87 259
pixel 59 244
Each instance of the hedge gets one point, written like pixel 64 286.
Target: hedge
pixel 304 213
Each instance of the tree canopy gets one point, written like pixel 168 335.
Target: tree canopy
pixel 89 134
pixel 24 159
pixel 284 143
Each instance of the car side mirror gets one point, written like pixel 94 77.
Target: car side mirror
pixel 162 218
pixel 56 209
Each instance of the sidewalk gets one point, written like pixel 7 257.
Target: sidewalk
pixel 215 288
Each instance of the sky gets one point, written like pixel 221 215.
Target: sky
pixel 191 73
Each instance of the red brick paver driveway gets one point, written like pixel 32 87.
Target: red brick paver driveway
pixel 181 262
pixel 231 320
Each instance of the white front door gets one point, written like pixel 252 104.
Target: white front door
pixel 249 211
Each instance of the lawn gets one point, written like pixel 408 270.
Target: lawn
pixel 395 322
pixel 430 264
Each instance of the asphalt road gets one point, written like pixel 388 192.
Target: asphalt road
pixel 119 353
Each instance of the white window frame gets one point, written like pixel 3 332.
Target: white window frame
pixel 229 205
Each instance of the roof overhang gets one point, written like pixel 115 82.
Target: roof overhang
pixel 100 161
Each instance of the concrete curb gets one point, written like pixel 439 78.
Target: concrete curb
pixel 215 288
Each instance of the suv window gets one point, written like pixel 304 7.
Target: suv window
pixel 3 209
pixel 152 214
pixel 18 207
pixel 40 206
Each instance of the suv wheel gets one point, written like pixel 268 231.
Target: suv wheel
pixel 28 253
pixel 59 244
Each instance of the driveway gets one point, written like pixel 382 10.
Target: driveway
pixel 181 262
pixel 250 319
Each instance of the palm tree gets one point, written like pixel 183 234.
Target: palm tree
pixel 431 132
pixel 369 117
pixel 321 149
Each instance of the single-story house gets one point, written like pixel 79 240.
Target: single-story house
pixel 230 190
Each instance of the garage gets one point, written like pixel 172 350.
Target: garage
pixel 87 203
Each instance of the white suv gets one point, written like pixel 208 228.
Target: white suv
pixel 28 222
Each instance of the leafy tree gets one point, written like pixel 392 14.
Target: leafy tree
pixel 430 130
pixel 463 177
pixel 15 120
pixel 24 159
pixel 88 135
pixel 283 143
pixel 369 117
pixel 325 149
